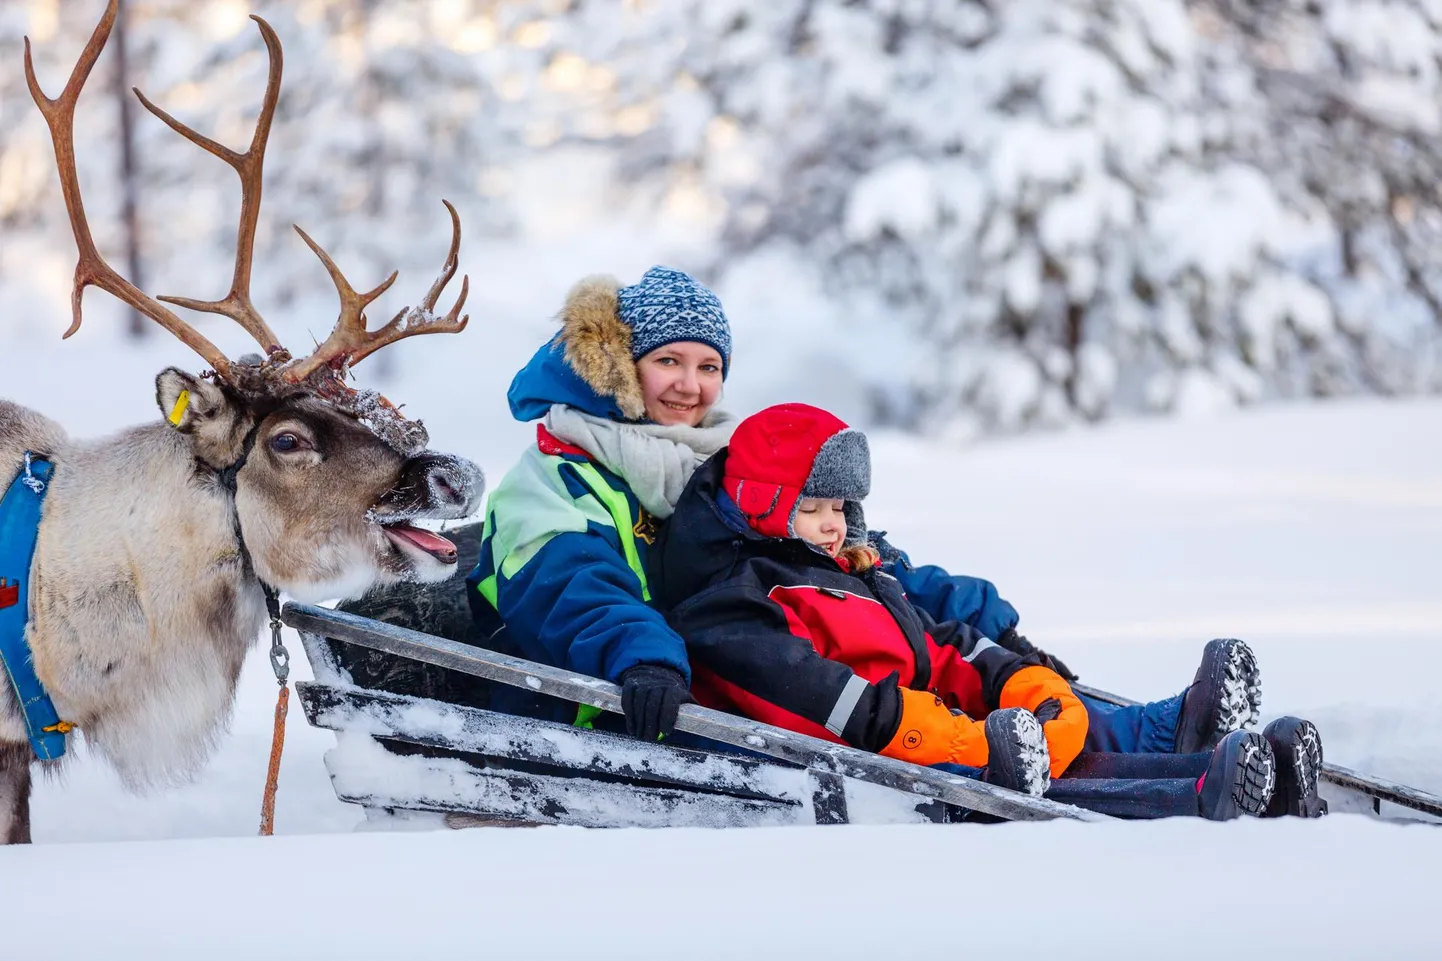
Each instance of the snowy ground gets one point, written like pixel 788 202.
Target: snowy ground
pixel 1312 532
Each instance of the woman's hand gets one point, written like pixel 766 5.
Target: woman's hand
pixel 651 697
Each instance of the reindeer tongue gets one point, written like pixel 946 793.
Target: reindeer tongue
pixel 433 544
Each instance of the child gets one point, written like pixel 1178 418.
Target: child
pixel 788 619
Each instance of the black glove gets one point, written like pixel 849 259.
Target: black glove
pixel 1018 644
pixel 651 694
pixel 1048 710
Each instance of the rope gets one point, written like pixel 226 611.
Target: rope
pixel 272 774
pixel 280 664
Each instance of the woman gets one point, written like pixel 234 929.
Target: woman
pixel 789 619
pixel 625 395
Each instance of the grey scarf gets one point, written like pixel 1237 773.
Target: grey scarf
pixel 656 461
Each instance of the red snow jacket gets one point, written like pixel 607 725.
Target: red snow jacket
pixel 776 630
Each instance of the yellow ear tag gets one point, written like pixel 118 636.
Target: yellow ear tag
pixel 178 411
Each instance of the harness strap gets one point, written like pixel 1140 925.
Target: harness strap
pixel 227 477
pixel 20 509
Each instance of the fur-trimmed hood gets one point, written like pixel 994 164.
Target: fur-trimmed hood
pixel 587 365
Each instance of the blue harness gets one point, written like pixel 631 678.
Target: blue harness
pixel 19 530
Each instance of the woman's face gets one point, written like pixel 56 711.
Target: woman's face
pixel 680 382
pixel 822 522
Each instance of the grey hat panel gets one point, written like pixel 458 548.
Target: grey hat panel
pixel 842 468
pixel 855 524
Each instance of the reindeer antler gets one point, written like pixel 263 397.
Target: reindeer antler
pixel 348 343
pixel 91 269
pixel 237 304
pixel 351 342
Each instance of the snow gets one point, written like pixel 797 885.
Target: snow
pixel 1218 225
pixel 1035 762
pixel 551 893
pixel 1010 388
pixel 899 196
pixel 1199 394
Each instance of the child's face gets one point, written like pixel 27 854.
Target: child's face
pixel 820 521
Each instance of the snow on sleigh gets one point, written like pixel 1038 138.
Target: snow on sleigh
pixel 408 692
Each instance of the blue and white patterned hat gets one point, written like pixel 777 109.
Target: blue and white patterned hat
pixel 669 306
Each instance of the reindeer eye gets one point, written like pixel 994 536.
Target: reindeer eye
pixel 286 442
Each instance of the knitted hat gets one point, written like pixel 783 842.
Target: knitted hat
pixel 791 451
pixel 669 306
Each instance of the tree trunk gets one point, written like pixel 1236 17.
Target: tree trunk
pixel 129 176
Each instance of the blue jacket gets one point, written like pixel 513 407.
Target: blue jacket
pixel 546 380
pixel 953 597
pixel 565 545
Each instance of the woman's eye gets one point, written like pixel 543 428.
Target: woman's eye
pixel 666 361
pixel 710 368
pixel 284 442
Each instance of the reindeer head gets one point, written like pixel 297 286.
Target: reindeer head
pixel 326 479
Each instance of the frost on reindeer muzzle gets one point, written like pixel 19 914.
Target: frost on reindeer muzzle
pixel 431 487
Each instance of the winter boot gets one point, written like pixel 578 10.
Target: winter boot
pixel 1240 778
pixel 1298 747
pixel 1225 696
pixel 1018 756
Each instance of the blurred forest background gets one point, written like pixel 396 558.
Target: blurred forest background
pixel 967 216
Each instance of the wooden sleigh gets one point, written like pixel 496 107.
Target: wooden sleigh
pixel 407 689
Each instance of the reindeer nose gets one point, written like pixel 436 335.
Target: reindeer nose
pixel 445 490
pixel 451 486
pixel 446 487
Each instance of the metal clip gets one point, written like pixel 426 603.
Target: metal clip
pixel 279 656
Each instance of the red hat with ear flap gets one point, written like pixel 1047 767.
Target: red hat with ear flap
pixel 791 451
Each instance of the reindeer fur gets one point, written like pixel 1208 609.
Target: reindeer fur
pixel 141 608
pixel 142 605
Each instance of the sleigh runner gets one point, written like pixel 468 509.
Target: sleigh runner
pixel 407 688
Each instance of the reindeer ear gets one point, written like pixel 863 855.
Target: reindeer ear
pixel 185 400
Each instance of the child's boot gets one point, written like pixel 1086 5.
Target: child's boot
pixel 1225 696
pixel 1298 747
pixel 1019 758
pixel 1240 778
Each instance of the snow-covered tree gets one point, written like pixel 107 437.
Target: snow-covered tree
pixel 1067 206
pixel 383 112
pixel 958 215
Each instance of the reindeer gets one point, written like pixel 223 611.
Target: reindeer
pixel 157 547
